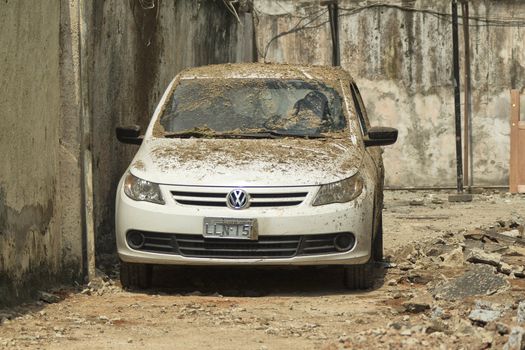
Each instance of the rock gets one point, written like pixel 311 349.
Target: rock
pixel 505 268
pixel 512 233
pixel 455 258
pixel 521 312
pixel 516 339
pixel 415 307
pixel 48 297
pixel 417 202
pixel 502 329
pixel 475 235
pixel 478 280
pixel 420 276
pixel 406 332
pixel 437 201
pixel 437 325
pixel 438 312
pixel 392 282
pixel 483 317
pixel 478 256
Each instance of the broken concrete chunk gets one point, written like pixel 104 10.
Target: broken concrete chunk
pixel 48 297
pixel 478 280
pixel 483 317
pixel 460 197
pixel 501 328
pixel 516 339
pixel 521 312
pixel 415 307
pixel 479 256
pixel 505 268
pixel 453 259
pixel 512 233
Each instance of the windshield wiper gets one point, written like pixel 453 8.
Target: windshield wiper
pixel 211 135
pixel 263 134
pixel 276 134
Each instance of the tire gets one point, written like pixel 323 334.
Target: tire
pixel 362 276
pixel 377 247
pixel 359 276
pixel 135 275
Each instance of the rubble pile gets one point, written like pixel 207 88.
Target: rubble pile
pixel 465 285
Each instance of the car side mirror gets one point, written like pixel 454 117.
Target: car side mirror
pixel 129 134
pixel 380 136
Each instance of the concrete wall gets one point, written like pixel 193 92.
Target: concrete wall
pixel 135 54
pixel 401 60
pixel 34 250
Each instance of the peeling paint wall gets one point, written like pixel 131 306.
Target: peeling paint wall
pixel 136 52
pixel 31 238
pixel 401 60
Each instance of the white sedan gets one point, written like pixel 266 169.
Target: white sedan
pixel 254 164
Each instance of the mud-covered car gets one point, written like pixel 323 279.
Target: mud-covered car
pixel 254 164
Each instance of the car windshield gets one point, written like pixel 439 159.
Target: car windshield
pixel 239 106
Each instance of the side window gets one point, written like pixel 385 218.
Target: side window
pixel 360 108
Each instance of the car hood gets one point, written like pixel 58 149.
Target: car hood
pixel 246 162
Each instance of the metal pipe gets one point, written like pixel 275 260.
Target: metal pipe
pixel 333 18
pixel 457 97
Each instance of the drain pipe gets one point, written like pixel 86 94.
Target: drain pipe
pixel 460 196
pixel 88 227
pixel 333 17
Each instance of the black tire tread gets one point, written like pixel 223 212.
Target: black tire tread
pixel 358 276
pixel 377 248
pixel 135 275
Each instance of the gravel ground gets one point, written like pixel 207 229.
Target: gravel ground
pixel 453 278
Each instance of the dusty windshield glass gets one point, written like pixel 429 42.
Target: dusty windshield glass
pixel 292 107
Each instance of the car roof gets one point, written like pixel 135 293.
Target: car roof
pixel 266 70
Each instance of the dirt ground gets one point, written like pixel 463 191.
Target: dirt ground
pixel 453 278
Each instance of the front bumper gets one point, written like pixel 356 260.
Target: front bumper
pixel 303 219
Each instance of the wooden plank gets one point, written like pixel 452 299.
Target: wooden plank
pixel 514 140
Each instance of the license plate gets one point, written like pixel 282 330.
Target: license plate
pixel 230 228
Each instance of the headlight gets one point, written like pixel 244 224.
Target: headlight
pixel 142 190
pixel 339 192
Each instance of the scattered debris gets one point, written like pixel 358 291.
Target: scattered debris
pixel 416 307
pixel 521 312
pixel 516 339
pixel 459 287
pixel 484 313
pixel 48 297
pixel 479 256
pixel 417 202
pixel 477 280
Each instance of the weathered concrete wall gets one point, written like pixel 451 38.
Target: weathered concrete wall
pixel 401 60
pixel 31 240
pixel 135 54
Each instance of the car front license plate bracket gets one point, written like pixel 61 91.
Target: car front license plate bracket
pixel 229 228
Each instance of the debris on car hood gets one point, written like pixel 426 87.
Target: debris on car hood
pixel 247 162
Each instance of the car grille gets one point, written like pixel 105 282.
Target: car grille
pixel 257 199
pixel 267 247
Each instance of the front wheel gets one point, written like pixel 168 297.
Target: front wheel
pixel 135 275
pixel 377 247
pixel 359 276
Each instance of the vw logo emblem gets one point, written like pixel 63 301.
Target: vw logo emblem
pixel 238 199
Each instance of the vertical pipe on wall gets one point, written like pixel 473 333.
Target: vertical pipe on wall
pixel 333 18
pixel 85 144
pixel 457 98
pixel 467 112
